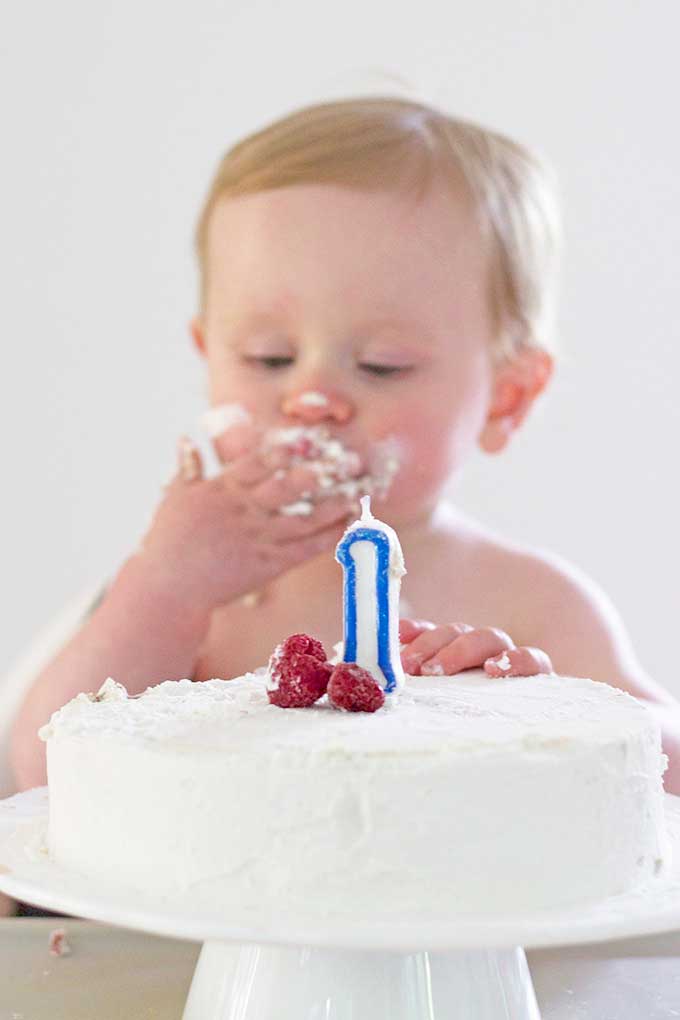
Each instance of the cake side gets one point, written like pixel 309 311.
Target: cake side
pixel 465 795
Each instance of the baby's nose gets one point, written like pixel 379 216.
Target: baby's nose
pixel 315 406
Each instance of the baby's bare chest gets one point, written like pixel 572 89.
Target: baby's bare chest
pixel 243 634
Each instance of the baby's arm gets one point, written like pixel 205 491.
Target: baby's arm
pixel 211 541
pixel 139 631
pixel 583 633
pixel 577 629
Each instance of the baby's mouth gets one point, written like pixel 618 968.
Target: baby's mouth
pixel 338 467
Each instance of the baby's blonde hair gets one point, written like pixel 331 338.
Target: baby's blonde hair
pixel 389 143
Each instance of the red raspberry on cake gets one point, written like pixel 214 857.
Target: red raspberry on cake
pixel 298 672
pixel 354 689
pixel 298 644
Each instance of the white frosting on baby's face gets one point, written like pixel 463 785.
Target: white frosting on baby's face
pixel 313 399
pixel 335 463
pixel 217 420
pixel 385 458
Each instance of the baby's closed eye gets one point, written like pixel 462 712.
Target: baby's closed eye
pixel 270 360
pixel 373 368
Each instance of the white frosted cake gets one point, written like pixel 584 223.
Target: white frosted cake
pixel 461 795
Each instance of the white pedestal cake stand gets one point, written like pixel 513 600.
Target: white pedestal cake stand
pixel 296 968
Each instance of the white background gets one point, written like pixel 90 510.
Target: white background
pixel 114 118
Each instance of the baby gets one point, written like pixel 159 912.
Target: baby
pixel 374 305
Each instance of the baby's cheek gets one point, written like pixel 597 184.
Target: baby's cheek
pixel 423 455
pixel 427 463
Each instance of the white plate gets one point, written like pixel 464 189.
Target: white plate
pixel 27 873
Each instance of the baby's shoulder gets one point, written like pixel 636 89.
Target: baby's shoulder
pixel 542 599
pixel 534 591
pixel 476 547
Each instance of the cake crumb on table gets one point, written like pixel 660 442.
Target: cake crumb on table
pixel 58 945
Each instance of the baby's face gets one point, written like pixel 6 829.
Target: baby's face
pixel 374 304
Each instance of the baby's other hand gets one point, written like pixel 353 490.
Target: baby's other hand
pixel 432 650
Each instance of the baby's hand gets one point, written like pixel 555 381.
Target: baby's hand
pixel 215 539
pixel 432 651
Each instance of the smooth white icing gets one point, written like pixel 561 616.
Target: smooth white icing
pixel 463 794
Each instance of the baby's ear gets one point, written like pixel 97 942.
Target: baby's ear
pixel 197 334
pixel 517 383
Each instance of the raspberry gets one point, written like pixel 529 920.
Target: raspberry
pixel 298 672
pixel 302 643
pixel 299 681
pixel 354 689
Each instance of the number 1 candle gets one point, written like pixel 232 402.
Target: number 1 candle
pixel 373 565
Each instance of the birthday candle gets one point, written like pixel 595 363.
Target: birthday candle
pixel 373 565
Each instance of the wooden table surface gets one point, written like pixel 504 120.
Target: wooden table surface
pixel 117 974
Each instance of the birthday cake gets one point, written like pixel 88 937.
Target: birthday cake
pixel 460 795
pixel 428 797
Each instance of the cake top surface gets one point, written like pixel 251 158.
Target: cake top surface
pixel 469 711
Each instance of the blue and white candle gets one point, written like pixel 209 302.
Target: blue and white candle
pixel 373 564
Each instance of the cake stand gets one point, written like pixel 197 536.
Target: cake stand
pixel 316 968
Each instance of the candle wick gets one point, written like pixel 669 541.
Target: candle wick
pixel 366 514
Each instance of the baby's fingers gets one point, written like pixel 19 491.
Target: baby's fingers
pixel 336 511
pixel 428 643
pixel 188 465
pixel 231 430
pixel 294 492
pixel 522 661
pixel 409 630
pixel 299 539
pixel 189 461
pixel 468 651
